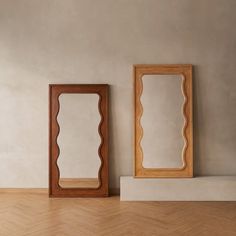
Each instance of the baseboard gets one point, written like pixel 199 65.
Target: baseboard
pixel 112 191
pixel 24 190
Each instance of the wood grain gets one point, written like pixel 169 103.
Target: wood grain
pixel 34 214
pixel 186 72
pixel 79 182
pixel 55 90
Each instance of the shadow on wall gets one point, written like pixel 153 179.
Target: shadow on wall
pixel 111 161
pixel 196 127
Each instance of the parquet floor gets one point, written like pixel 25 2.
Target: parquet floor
pixel 33 213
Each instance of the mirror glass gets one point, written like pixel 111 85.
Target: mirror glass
pixel 162 121
pixel 79 141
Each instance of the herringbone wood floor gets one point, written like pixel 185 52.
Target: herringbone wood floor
pixel 33 213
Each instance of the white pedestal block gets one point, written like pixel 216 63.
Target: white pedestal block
pixel 206 188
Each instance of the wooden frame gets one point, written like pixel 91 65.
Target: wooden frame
pixel 55 90
pixel 186 72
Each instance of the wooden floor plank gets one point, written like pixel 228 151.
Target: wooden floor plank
pixel 33 213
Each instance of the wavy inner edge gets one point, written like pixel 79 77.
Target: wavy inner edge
pixel 140 128
pixel 184 129
pixel 139 115
pixel 102 139
pixel 99 132
pixel 56 138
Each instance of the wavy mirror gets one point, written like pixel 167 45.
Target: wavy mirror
pixel 78 140
pixel 163 121
pixel 78 164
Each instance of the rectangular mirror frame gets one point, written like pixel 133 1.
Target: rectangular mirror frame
pixel 187 169
pixel 54 92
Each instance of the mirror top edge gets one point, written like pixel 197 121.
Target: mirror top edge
pixel 162 68
pixel 82 85
pixel 161 65
pixel 57 89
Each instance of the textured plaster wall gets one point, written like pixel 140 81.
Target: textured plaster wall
pixel 89 41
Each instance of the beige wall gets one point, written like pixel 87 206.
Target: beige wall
pixel 75 41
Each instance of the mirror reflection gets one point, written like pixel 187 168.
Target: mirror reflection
pixel 162 100
pixel 79 141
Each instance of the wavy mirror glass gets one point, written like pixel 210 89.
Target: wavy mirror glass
pixel 79 140
pixel 162 118
pixel 163 121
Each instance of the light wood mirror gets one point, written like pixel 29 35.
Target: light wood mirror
pixel 78 148
pixel 163 121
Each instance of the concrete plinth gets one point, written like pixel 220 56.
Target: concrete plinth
pixel 207 188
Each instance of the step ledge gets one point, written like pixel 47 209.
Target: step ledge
pixel 202 188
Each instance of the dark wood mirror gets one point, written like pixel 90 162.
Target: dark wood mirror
pixel 78 140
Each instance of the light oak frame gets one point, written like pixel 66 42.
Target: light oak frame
pixel 55 90
pixel 187 155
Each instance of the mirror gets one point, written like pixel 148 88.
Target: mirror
pixel 78 140
pixel 79 164
pixel 163 121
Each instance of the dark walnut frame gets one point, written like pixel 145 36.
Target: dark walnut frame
pixel 55 90
pixel 187 157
